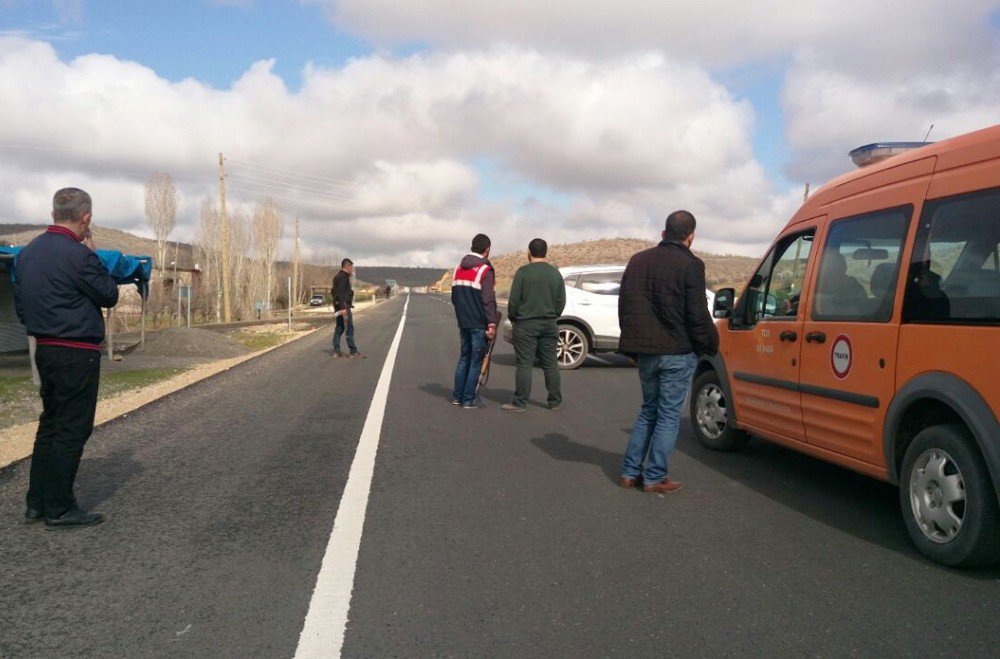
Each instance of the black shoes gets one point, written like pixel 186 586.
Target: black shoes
pixel 32 515
pixel 512 407
pixel 73 518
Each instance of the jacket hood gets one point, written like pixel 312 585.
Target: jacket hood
pixel 472 261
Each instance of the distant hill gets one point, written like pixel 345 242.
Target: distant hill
pixel 721 270
pixel 188 256
pixel 403 276
pixel 105 238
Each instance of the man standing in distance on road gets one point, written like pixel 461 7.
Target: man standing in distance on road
pixel 666 325
pixel 537 298
pixel 474 297
pixel 60 289
pixel 343 302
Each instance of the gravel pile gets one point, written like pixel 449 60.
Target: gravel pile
pixel 191 342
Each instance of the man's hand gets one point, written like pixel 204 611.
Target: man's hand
pixel 88 240
pixel 491 332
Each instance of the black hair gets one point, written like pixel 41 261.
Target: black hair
pixel 481 243
pixel 680 225
pixel 538 248
pixel 346 262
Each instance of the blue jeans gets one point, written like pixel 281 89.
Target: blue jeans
pixel 345 324
pixel 469 363
pixel 665 382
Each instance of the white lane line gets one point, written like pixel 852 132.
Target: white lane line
pixel 326 622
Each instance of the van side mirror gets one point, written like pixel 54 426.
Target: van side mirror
pixel 725 299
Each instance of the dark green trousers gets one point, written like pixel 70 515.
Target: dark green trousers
pixel 536 338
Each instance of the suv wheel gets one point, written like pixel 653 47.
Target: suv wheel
pixel 710 416
pixel 572 348
pixel 947 499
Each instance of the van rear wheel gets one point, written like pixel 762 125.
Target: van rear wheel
pixel 710 415
pixel 948 500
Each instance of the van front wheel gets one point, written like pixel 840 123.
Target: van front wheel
pixel 710 415
pixel 947 499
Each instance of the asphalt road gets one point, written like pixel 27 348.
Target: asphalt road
pixel 487 533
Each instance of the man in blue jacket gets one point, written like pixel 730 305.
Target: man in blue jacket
pixel 474 297
pixel 60 289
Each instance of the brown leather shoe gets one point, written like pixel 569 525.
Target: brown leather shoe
pixel 626 483
pixel 665 486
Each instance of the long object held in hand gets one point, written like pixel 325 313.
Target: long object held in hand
pixel 484 372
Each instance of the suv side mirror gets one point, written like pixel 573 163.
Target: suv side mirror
pixel 724 301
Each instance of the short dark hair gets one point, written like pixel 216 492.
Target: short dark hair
pixel 538 248
pixel 680 225
pixel 346 262
pixel 70 205
pixel 481 243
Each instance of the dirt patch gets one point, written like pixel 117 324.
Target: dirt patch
pixel 191 342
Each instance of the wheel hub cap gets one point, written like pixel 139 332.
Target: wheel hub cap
pixel 710 410
pixel 937 495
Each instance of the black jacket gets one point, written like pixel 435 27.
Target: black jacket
pixel 60 289
pixel 343 294
pixel 662 308
pixel 473 293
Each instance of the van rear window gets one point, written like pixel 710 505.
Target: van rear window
pixel 954 275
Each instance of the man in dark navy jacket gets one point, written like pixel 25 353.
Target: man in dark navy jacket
pixel 474 297
pixel 60 289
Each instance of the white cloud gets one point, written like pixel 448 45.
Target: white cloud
pixel 829 110
pixel 389 147
pixel 712 32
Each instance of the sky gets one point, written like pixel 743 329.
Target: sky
pixel 395 130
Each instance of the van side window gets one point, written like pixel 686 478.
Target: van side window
pixel 776 287
pixel 601 283
pixel 954 274
pixel 860 267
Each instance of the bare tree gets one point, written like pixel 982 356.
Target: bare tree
pixel 268 226
pixel 161 212
pixel 241 270
pixel 210 243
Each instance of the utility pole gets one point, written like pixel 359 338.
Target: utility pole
pixel 227 315
pixel 294 294
pixel 805 194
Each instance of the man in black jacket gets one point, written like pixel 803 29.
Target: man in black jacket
pixel 665 326
pixel 343 302
pixel 60 289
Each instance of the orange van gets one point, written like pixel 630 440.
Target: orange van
pixel 869 336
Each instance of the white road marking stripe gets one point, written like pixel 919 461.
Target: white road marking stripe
pixel 326 622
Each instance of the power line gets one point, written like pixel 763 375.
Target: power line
pixel 291 192
pixel 285 184
pixel 321 179
pixel 307 202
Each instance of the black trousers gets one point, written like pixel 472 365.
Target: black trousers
pixel 70 377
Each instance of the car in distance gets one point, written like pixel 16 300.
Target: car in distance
pixel 868 338
pixel 317 300
pixel 589 323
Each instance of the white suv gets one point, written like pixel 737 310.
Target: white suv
pixel 589 323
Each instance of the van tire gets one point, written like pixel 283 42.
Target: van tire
pixel 710 418
pixel 963 533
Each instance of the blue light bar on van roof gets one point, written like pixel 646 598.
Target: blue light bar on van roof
pixel 870 154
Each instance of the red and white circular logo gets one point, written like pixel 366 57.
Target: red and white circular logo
pixel 841 356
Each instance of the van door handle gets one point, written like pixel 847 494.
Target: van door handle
pixel 789 336
pixel 816 337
